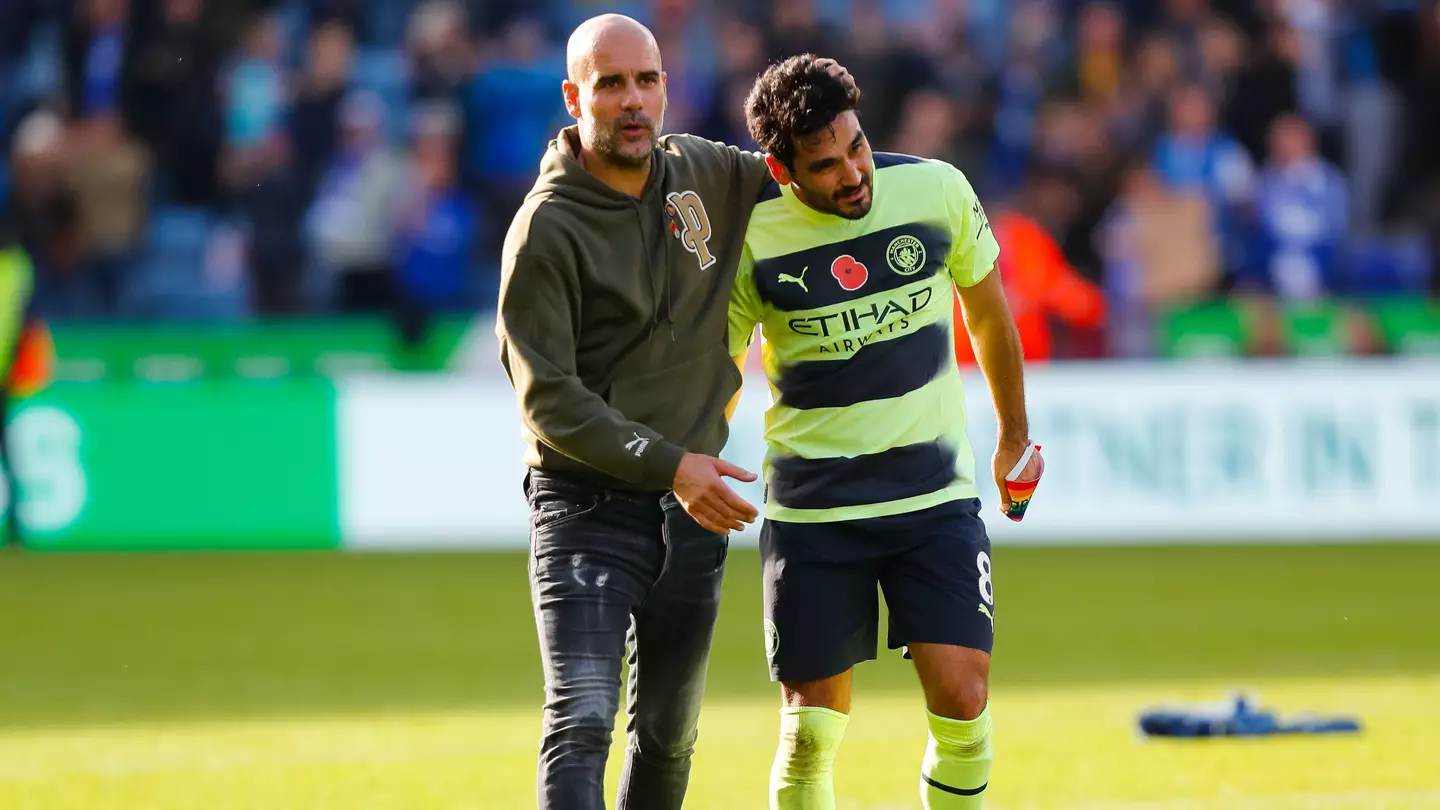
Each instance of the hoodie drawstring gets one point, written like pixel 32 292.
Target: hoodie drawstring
pixel 669 287
pixel 664 271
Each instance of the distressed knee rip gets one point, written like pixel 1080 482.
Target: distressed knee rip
pixel 572 577
pixel 586 575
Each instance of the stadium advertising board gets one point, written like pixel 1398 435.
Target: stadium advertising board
pixel 152 467
pixel 1143 453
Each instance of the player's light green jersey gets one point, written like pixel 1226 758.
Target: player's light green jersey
pixel 867 414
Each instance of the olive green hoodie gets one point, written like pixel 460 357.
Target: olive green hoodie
pixel 613 310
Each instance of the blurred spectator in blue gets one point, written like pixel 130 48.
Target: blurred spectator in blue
pixel 1032 63
pixel 442 59
pixel 436 227
pixel 1317 78
pixel 95 45
pixel 315 118
pixel 1302 209
pixel 513 109
pixel 171 102
pixel 1193 156
pixel 256 92
pixel 17 21
pixel 265 186
pixel 985 23
pixel 1021 90
pixel 350 226
pixel 270 196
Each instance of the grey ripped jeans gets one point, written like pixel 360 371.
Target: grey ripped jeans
pixel 615 573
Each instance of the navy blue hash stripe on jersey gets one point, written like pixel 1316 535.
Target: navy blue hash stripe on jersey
pixel 890 475
pixel 831 274
pixel 882 369
pixel 884 160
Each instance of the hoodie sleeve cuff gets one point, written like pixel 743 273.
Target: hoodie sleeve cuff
pixel 660 465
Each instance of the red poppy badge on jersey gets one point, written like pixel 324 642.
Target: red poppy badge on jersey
pixel 851 274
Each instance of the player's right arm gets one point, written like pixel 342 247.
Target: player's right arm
pixel 973 265
pixel 536 323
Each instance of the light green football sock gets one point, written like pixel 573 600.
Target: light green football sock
pixel 957 763
pixel 801 778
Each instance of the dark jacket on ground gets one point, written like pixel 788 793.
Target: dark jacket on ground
pixel 613 310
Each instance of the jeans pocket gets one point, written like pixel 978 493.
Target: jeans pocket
pixel 549 511
pixel 692 547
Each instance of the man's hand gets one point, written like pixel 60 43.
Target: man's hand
pixel 1007 454
pixel 836 70
pixel 707 498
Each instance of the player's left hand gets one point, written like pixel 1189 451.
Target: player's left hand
pixel 836 70
pixel 1007 454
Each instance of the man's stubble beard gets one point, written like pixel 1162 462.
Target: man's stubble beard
pixel 606 144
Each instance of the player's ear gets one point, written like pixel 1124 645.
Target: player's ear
pixel 571 93
pixel 778 170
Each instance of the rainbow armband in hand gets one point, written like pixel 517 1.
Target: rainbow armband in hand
pixel 1022 489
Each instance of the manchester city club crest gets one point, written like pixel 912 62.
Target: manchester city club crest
pixel 906 255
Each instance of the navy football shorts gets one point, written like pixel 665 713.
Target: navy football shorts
pixel 822 613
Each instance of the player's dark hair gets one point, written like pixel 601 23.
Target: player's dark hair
pixel 794 99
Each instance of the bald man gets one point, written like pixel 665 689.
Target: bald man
pixel 612 324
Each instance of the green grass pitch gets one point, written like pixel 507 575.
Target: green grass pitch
pixel 306 681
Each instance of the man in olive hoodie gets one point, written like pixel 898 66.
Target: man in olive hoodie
pixel 612 323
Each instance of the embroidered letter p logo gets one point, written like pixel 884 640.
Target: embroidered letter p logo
pixel 690 224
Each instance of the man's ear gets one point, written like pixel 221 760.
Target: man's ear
pixel 570 91
pixel 778 170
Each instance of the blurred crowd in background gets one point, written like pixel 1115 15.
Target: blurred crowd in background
pixel 221 159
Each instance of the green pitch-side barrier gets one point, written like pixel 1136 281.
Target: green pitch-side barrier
pixel 1407 326
pixel 168 353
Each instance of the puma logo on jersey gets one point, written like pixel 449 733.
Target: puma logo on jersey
pixel 799 280
pixel 988 615
pixel 637 445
